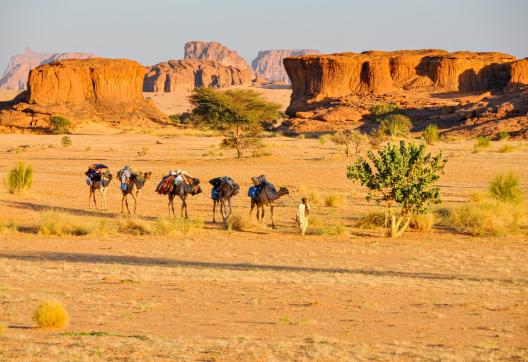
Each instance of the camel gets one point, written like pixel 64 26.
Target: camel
pixel 102 186
pixel 182 190
pixel 225 192
pixel 137 181
pixel 266 196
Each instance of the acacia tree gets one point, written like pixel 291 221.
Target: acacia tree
pixel 348 139
pixel 401 179
pixel 238 114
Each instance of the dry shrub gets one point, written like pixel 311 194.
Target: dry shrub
pixel 373 220
pixel 422 222
pixel 489 218
pixel 58 223
pixel 19 178
pixel 134 226
pixel 333 200
pixel 319 227
pixel 50 314
pixel 7 226
pixel 238 222
pixel 506 188
pixel 507 149
pixel 170 226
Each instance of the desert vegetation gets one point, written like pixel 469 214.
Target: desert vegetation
pixel 50 314
pixel 401 179
pixel 19 178
pixel 238 114
pixel 60 125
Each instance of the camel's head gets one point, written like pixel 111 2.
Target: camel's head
pixel 196 189
pixel 284 191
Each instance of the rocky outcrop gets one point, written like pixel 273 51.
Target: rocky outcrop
pixel 108 90
pixel 268 63
pixel 216 52
pixel 187 74
pixel 519 72
pixel 317 77
pixel 15 76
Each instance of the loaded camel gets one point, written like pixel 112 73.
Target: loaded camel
pixel 225 191
pixel 265 196
pixel 98 177
pixel 187 186
pixel 129 181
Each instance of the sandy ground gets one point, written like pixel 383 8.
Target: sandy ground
pixel 215 295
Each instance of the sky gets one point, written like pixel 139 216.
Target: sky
pixel 151 31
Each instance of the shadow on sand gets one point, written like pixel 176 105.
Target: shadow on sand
pixel 150 261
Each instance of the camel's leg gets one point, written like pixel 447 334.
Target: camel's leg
pixel 135 197
pixel 184 207
pixel 223 209
pixel 126 203
pixel 102 191
pixel 171 206
pixel 90 199
pixel 230 208
pixel 252 206
pixel 123 202
pixel 262 214
pixel 214 211
pixel 271 215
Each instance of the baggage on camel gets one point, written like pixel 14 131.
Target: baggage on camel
pixel 217 182
pixel 94 173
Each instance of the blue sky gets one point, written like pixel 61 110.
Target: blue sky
pixel 156 30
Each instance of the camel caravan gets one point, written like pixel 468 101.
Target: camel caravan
pixel 182 184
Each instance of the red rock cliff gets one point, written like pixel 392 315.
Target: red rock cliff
pixel 316 77
pixel 216 52
pixel 187 74
pixel 95 89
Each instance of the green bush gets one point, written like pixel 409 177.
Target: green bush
pixel 503 135
pixel 402 180
pixel 66 141
pixel 324 138
pixel 381 110
pixel 431 134
pixel 506 188
pixel 482 142
pixel 60 125
pixel 19 178
pixel 396 125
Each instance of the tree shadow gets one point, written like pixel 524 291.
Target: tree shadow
pixel 152 261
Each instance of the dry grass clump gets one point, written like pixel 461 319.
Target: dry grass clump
pixel 507 148
pixel 319 227
pixel 239 222
pixel 170 226
pixel 489 218
pixel 7 226
pixel 58 223
pixel 506 188
pixel 19 178
pixel 373 220
pixel 333 200
pixel 134 226
pixel 422 222
pixel 50 314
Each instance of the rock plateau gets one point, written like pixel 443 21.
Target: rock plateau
pixel 216 52
pixel 15 76
pixel 97 89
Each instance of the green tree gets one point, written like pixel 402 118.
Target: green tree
pixel 400 179
pixel 238 114
pixel 60 125
pixel 349 139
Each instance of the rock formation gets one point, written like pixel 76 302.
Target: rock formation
pixel 187 74
pixel 16 74
pixel 97 89
pixel 316 77
pixel 465 92
pixel 268 63
pixel 216 52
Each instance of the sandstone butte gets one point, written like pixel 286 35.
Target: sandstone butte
pixel 187 74
pixel 15 76
pixel 216 52
pixel 318 77
pixel 268 63
pixel 97 89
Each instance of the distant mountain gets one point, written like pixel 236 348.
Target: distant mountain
pixel 16 74
pixel 214 51
pixel 268 63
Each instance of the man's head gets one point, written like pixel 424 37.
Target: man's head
pixel 304 200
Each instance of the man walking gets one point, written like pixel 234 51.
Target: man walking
pixel 303 211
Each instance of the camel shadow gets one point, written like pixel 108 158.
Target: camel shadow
pixel 154 261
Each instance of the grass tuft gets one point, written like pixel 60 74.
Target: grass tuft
pixel 431 134
pixel 19 178
pixel 333 200
pixel 171 226
pixel 238 222
pixel 373 220
pixel 422 222
pixel 506 188
pixel 50 314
